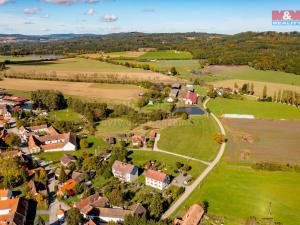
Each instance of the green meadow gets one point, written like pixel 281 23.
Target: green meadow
pixel 113 126
pixel 248 73
pixel 261 110
pixel 193 137
pixel 64 115
pixel 139 158
pixel 237 192
pixel 165 55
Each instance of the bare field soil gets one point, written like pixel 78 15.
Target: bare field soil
pixel 85 68
pixel 258 86
pixel 112 92
pixel 263 140
pixel 224 68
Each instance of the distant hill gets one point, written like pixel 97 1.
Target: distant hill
pixel 265 50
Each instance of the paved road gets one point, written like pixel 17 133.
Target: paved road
pixel 197 182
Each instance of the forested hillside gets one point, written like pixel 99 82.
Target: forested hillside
pixel 267 50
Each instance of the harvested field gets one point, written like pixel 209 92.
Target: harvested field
pixel 113 92
pixel 258 86
pixel 78 68
pixel 263 140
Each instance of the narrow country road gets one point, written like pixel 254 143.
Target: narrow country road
pixel 197 182
pixel 155 148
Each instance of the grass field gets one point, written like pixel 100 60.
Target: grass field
pixel 65 115
pixel 261 110
pixel 184 67
pixel 262 140
pixel 92 91
pixel 113 126
pixel 236 192
pixel 96 144
pixel 139 158
pixel 166 55
pixel 18 58
pixel 250 74
pixel 79 67
pixel 193 137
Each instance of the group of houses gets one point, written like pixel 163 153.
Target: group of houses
pixel 96 209
pixel 9 104
pixel 191 97
pixel 126 172
pixel 13 210
pixel 47 139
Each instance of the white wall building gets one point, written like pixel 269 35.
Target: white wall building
pixel 157 179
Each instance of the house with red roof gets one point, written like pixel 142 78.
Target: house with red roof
pixel 124 171
pixel 157 179
pixel 138 140
pixel 191 98
pixel 52 143
pixel 192 217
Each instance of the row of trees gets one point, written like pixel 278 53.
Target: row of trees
pixel 287 97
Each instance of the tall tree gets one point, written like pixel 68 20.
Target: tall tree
pixel 265 92
pixel 74 217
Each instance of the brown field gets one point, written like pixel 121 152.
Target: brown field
pixel 263 140
pixel 224 68
pixel 258 86
pixel 112 92
pixel 72 68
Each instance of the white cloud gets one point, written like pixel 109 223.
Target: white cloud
pixel 109 18
pixel 60 1
pixel 67 2
pixel 28 23
pixel 90 12
pixel 91 1
pixel 3 2
pixel 32 10
pixel 44 29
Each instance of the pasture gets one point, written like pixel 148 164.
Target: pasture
pixel 262 140
pixel 193 137
pixel 236 192
pixel 172 54
pixel 139 158
pixel 18 58
pixel 91 91
pixel 250 74
pixel 64 115
pixel 258 86
pixel 113 126
pixel 261 110
pixel 185 67
pixel 79 68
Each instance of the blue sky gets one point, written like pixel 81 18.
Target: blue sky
pixel 111 16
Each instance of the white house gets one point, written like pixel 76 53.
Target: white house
pixel 124 171
pixel 157 179
pixel 52 143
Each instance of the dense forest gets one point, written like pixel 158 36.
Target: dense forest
pixel 266 50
